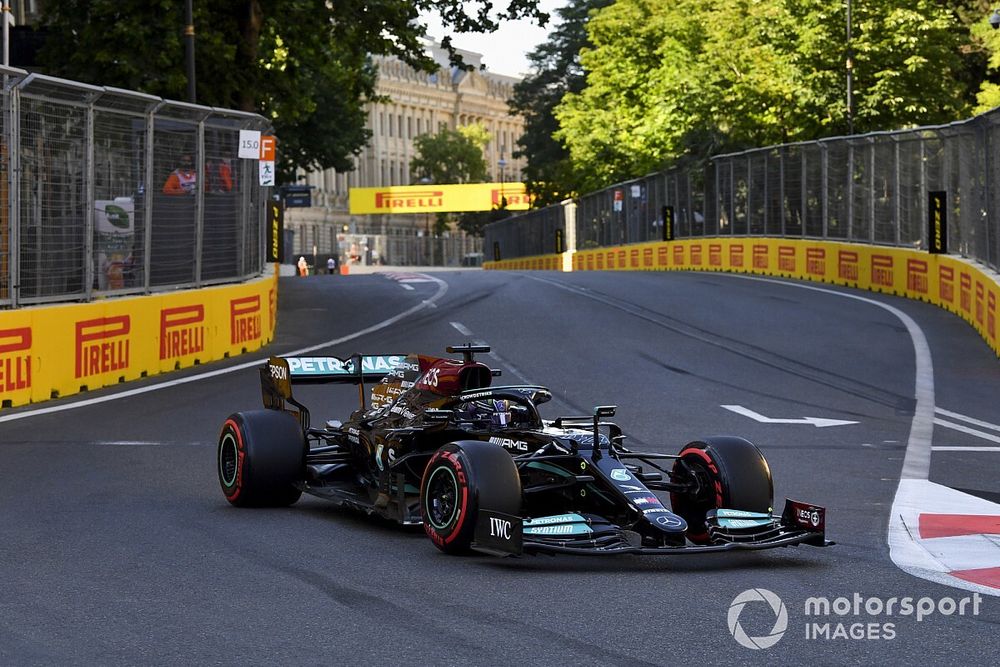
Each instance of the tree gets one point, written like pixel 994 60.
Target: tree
pixel 450 156
pixel 556 71
pixel 303 64
pixel 667 79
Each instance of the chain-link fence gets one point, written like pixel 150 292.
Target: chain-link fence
pixel 108 191
pixel 872 188
pixel 453 248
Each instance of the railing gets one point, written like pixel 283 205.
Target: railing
pixel 872 188
pixel 83 213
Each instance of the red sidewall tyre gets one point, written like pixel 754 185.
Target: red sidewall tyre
pixel 461 479
pixel 260 457
pixel 738 477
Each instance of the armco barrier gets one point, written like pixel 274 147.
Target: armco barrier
pixel 53 351
pixel 967 289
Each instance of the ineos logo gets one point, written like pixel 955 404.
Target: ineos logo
pixel 499 528
pixel 780 618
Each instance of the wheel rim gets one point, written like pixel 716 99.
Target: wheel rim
pixel 228 459
pixel 441 504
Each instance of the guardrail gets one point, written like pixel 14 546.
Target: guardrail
pixel 96 201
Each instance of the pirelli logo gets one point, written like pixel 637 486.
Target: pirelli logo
pixel 736 256
pixel 991 316
pixel 760 260
pixel 917 276
pixel 621 259
pixel 847 265
pixel 816 262
pixel 102 345
pixel 965 292
pixel 696 254
pixel 786 258
pixel 679 255
pixel 980 302
pixel 611 260
pixel 15 359
pixel 634 258
pixel 715 254
pixel 272 303
pixel 417 200
pixel 513 198
pixel 600 261
pixel 647 257
pixel 244 319
pixel 182 331
pixel 662 256
pixel 882 272
pixel 946 284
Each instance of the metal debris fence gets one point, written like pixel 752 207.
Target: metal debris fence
pixel 82 209
pixel 871 188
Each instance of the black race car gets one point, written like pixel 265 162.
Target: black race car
pixel 436 444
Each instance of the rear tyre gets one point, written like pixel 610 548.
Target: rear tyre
pixel 461 479
pixel 731 473
pixel 260 457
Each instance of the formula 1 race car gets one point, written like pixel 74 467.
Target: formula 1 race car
pixel 436 444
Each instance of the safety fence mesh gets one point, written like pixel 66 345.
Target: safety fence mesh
pixel 872 188
pixel 107 192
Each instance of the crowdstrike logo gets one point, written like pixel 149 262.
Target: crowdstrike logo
pixel 777 607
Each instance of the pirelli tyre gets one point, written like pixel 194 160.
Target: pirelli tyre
pixel 261 455
pixel 730 472
pixel 461 479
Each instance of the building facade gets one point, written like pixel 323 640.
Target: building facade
pixel 419 103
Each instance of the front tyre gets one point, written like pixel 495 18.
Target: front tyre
pixel 729 472
pixel 261 455
pixel 461 479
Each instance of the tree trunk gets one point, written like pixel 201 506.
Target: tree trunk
pixel 251 21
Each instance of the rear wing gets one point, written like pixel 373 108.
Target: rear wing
pixel 279 374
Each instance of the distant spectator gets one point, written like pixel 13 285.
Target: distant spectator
pixel 303 267
pixel 183 180
pixel 331 265
pixel 220 176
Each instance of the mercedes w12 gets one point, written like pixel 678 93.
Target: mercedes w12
pixel 435 443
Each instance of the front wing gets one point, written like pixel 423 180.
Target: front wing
pixel 800 523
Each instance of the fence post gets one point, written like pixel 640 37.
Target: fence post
pixel 147 213
pixel 199 199
pixel 88 195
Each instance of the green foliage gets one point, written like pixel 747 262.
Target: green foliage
pixel 450 156
pixel 670 78
pixel 303 64
pixel 555 71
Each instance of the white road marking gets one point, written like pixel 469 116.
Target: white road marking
pixel 968 420
pixel 965 429
pixel 405 286
pixel 818 422
pixel 461 328
pixel 441 289
pixel 951 448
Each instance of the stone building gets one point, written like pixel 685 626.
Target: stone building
pixel 419 103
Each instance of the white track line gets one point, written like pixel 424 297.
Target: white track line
pixel 965 429
pixel 461 328
pixel 950 448
pixel 969 420
pixel 441 289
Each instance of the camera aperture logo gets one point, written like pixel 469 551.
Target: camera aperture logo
pixel 780 618
pixel 858 617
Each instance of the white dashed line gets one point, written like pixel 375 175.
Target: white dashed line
pixel 461 328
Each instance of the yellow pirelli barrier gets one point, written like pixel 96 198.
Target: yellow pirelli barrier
pixel 955 284
pixel 52 351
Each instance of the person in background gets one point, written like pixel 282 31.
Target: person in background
pixel 220 176
pixel 303 267
pixel 183 180
pixel 331 265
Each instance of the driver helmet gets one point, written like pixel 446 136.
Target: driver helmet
pixel 500 416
